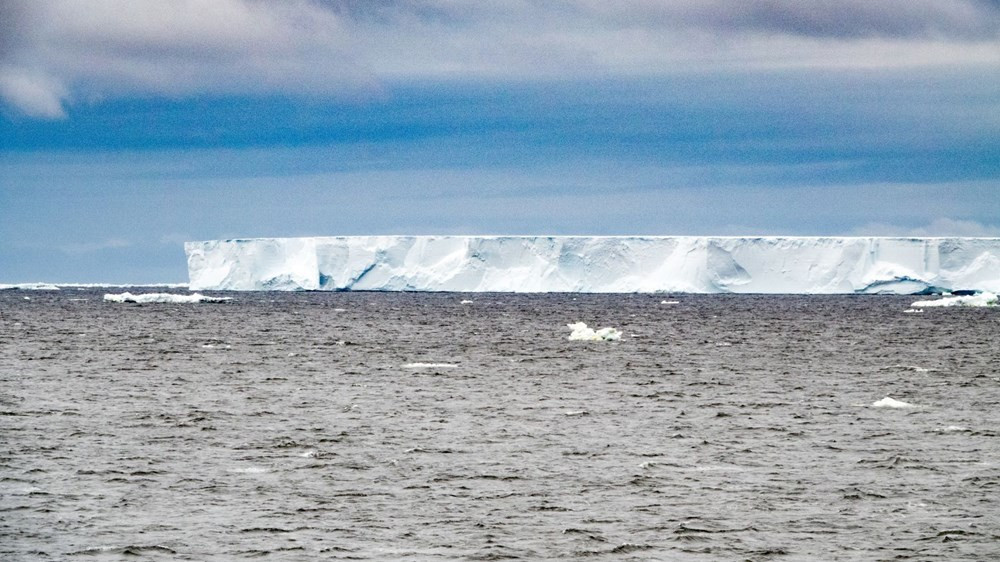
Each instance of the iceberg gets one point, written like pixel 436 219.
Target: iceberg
pixel 598 264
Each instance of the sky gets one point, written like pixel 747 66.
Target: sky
pixel 130 126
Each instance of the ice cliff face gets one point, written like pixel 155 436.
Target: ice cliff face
pixel 597 264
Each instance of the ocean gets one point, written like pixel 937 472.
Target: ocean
pixel 443 426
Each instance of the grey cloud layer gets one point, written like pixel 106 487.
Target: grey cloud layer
pixel 55 51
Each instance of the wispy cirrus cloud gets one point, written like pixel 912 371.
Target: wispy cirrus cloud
pixel 53 53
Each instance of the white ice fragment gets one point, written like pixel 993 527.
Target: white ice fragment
pixel 466 301
pixel 981 299
pixel 670 302
pixel 888 402
pixel 582 332
pixel 430 366
pixel 162 298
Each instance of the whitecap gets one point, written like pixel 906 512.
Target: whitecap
pixel 429 366
pixel 888 402
pixel 584 333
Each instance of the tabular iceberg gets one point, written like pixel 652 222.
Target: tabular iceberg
pixel 599 264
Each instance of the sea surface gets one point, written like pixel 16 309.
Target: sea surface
pixel 403 426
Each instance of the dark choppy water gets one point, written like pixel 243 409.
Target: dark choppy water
pixel 286 427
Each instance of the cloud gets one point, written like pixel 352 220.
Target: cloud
pixel 57 51
pixel 35 95
pixel 937 227
pixel 90 247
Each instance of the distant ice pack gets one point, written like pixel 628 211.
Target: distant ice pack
pixel 598 264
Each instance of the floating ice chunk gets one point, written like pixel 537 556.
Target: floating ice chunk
pixel 466 302
pixel 981 299
pixel 430 366
pixel 162 297
pixel 670 302
pixel 888 402
pixel 582 332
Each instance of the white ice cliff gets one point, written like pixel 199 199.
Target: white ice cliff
pixel 600 264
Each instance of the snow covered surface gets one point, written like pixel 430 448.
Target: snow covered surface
pixel 981 299
pixel 582 332
pixel 598 264
pixel 162 297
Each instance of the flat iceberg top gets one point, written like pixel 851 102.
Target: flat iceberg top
pixel 611 264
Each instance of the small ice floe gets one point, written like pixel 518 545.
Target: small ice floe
pixel 430 366
pixel 466 301
pixel 162 298
pixel 575 413
pixel 953 429
pixel 582 332
pixel 670 302
pixel 310 454
pixel 981 299
pixel 27 298
pixel 888 402
pixel 913 310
